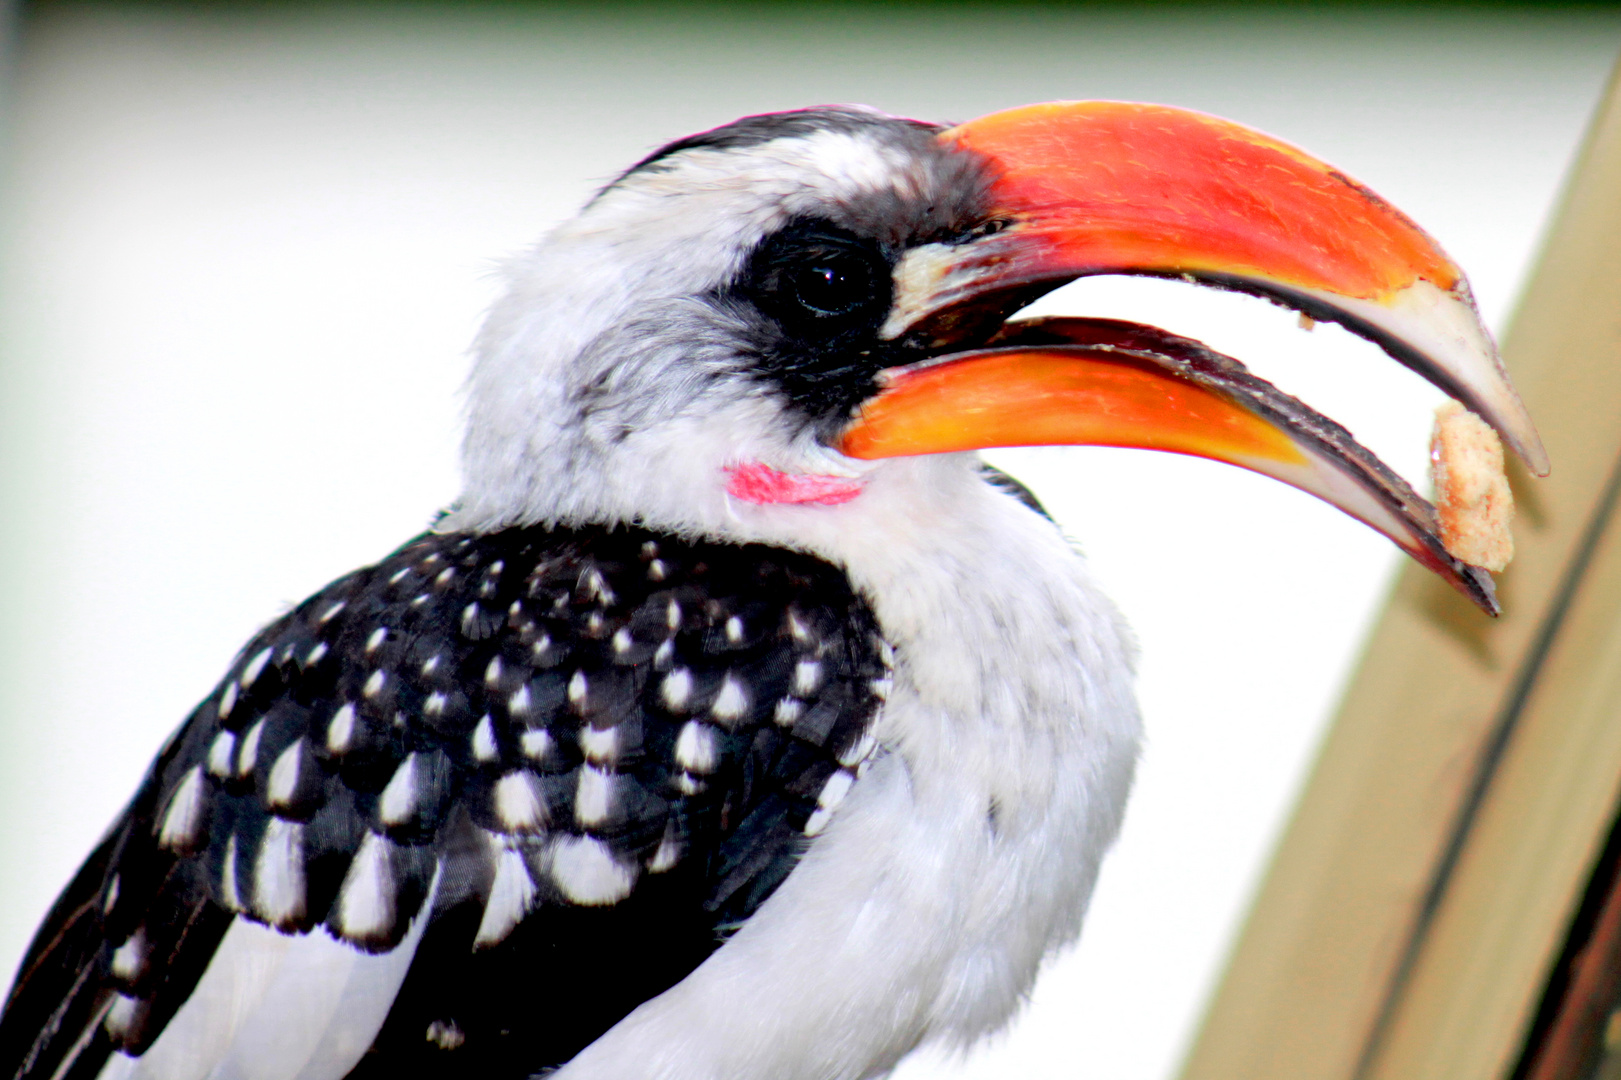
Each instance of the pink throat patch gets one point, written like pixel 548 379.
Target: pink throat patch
pixel 757 482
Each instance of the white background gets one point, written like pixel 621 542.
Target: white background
pixel 244 253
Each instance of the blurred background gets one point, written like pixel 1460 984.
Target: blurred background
pixel 243 248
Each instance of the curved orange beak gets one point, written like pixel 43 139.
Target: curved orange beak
pixel 1101 382
pixel 1082 188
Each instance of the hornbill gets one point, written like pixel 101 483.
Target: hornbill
pixel 737 721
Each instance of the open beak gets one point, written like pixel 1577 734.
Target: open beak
pixel 1115 188
pixel 1099 382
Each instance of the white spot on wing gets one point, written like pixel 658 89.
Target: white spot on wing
pixel 227 701
pixel 833 793
pixel 734 629
pixel 517 802
pixel 484 748
pixel 668 853
pixel 697 748
pixel 859 750
pixel 229 895
pixel 599 745
pixel 184 817
pixel 255 668
pixel 340 733
pixel 247 758
pixel 219 754
pixel 445 1034
pixel 676 690
pixel 732 703
pixel 587 873
pixel 278 874
pixel 788 711
pixel 597 585
pixel 577 688
pixel 130 958
pixel 366 902
pixel 120 1020
pixel 283 783
pixel 375 683
pixel 398 804
pixel 536 743
pixel 593 796
pixel 807 677
pixel 375 641
pixel 518 704
pixel 512 893
pixel 542 644
pixel 331 613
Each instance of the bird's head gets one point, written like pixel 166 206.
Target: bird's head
pixel 763 318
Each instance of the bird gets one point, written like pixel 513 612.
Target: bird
pixel 736 720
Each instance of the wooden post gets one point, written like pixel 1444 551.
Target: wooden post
pixel 1425 884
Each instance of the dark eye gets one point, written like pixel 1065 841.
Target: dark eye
pixel 833 285
pixel 820 284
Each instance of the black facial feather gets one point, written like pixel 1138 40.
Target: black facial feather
pixel 820 292
pixel 816 291
pixel 473 706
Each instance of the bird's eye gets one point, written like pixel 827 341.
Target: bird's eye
pixel 832 286
pixel 819 283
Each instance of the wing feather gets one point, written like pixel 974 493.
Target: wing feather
pixel 460 812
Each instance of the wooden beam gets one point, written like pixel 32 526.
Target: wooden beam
pixel 1425 882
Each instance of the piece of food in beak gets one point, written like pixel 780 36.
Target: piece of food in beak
pixel 1107 383
pixel 1106 187
pixel 1472 498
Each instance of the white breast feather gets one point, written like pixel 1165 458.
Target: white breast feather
pixel 922 913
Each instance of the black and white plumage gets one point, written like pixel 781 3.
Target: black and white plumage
pixel 599 747
pixel 686 746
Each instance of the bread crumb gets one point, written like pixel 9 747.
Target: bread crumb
pixel 1472 497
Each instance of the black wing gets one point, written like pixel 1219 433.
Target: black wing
pixel 584 755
